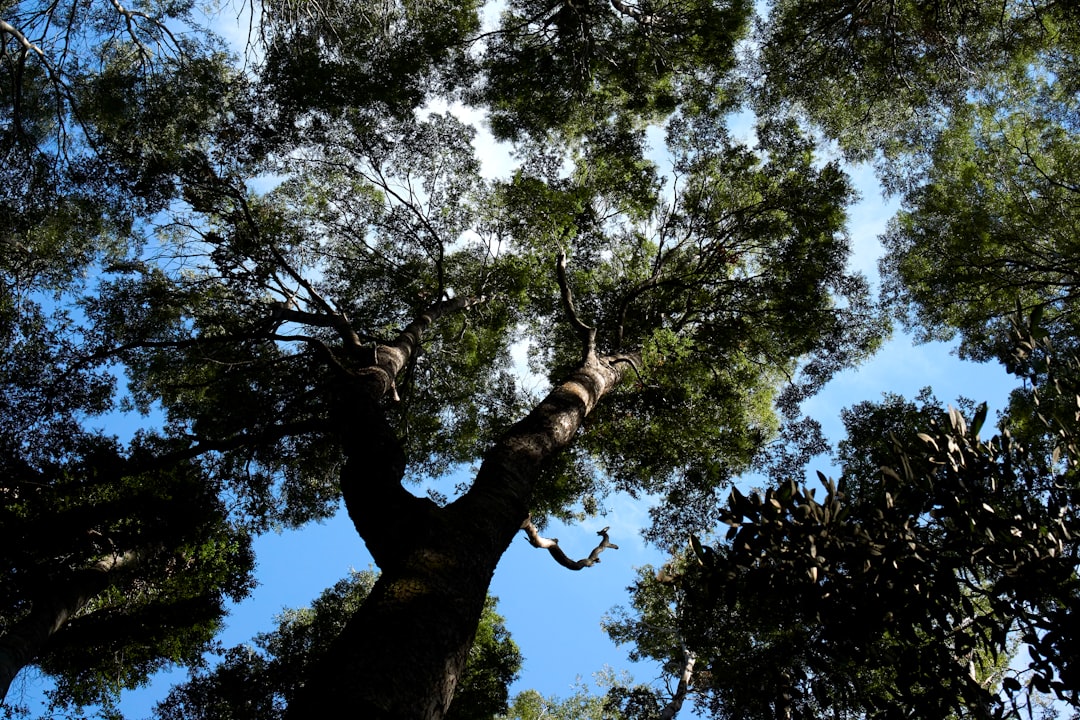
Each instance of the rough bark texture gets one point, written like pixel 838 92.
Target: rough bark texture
pixel 51 612
pixel 400 656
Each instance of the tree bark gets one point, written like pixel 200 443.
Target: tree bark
pixel 673 707
pixel 48 615
pixel 402 653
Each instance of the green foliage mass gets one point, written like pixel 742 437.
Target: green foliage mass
pixel 884 75
pixel 992 228
pixel 904 591
pixel 149 555
pixel 569 66
pixel 256 681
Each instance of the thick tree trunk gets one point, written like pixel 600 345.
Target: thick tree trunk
pixel 26 639
pixel 400 656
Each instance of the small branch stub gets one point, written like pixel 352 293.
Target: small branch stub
pixel 552 546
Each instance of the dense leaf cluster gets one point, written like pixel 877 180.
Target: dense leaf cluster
pixel 907 590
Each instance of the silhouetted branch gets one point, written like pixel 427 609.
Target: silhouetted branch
pixel 552 546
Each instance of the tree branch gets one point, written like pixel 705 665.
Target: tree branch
pixel 673 707
pixel 635 13
pixel 395 355
pixel 552 546
pixel 25 639
pixel 585 332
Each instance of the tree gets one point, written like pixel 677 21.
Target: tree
pixel 656 630
pixel 531 705
pixel 118 557
pixel 257 681
pixel 668 310
pixel 709 297
pixel 969 111
pixel 898 594
pixel 113 576
pixel 351 328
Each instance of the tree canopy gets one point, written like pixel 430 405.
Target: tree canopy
pixel 296 269
pixel 904 591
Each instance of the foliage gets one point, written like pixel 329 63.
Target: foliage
pixel 903 590
pixel 118 556
pixel 144 562
pixel 654 628
pixel 531 705
pixel 992 228
pixel 258 317
pixel 572 66
pixel 884 76
pixel 256 681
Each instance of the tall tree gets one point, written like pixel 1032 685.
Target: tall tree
pixel 710 295
pixel 672 288
pixel 350 329
pixel 118 559
pixel 902 592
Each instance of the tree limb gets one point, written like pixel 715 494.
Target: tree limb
pixel 673 707
pixel 585 332
pixel 634 13
pixel 552 546
pixel 24 640
pixel 395 355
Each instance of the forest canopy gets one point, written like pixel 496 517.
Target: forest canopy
pixel 288 265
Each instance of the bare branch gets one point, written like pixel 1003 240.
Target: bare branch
pixel 585 332
pixel 552 546
pixel 634 13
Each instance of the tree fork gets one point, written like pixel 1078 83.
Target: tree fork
pixel 386 515
pixel 402 653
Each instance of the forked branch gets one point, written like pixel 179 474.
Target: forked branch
pixel 686 675
pixel 585 332
pixel 552 546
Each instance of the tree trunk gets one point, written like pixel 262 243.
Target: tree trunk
pixel 402 653
pixel 673 707
pixel 26 639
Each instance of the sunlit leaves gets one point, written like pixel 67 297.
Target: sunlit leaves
pixel 993 227
pixel 883 75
